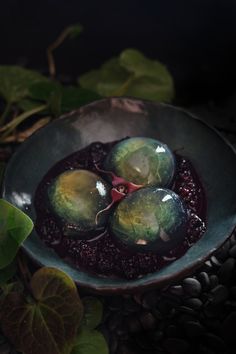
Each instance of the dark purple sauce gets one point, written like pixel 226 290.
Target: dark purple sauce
pixel 102 256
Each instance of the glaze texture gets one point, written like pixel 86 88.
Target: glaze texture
pixel 150 219
pixel 143 161
pixel 77 196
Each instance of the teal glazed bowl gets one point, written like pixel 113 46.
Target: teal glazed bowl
pixel 109 120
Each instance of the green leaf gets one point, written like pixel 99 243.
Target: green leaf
pixel 15 227
pixel 48 323
pixel 42 91
pixel 106 80
pixel 7 273
pixel 15 82
pixel 28 104
pixel 75 97
pixel 54 103
pixel 153 80
pixel 59 98
pixel 93 311
pixel 75 30
pixel 90 80
pixel 131 74
pixel 135 62
pixel 149 88
pixel 90 342
pixel 49 92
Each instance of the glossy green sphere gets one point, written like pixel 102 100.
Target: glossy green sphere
pixel 150 219
pixel 142 161
pixel 77 196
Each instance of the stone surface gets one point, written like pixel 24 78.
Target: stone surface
pixel 219 294
pixel 232 251
pixel 185 323
pixel 194 328
pixel 175 346
pixel 192 286
pixel 225 272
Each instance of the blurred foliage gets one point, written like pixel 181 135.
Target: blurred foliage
pixel 131 74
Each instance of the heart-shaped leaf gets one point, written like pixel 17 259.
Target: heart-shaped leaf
pixel 93 310
pixel 49 322
pixel 90 342
pixel 15 227
pixel 151 80
pixel 54 103
pixel 106 80
pixel 49 92
pixel 59 98
pixel 150 88
pixel 131 74
pixel 75 97
pixel 41 91
pixel 15 82
pixel 135 62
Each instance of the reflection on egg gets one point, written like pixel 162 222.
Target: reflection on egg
pixel 142 161
pixel 77 196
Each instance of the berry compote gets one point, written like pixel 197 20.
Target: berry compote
pixel 101 255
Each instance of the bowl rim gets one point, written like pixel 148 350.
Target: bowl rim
pixel 128 286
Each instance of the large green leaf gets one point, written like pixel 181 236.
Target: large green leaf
pixel 59 98
pixel 90 342
pixel 150 88
pixel 93 310
pixel 151 78
pixel 15 82
pixel 7 273
pixel 41 91
pixel 48 323
pixel 135 62
pixel 131 74
pixel 106 80
pixel 15 227
pixel 49 92
pixel 75 97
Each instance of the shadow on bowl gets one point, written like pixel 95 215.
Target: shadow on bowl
pixel 113 119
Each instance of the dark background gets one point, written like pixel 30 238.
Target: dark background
pixel 195 39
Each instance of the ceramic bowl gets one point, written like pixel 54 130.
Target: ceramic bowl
pixel 115 118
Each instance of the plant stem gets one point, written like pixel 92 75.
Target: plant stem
pixel 52 47
pixel 5 113
pixel 8 128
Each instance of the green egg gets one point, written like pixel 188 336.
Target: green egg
pixel 142 161
pixel 150 219
pixel 77 196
